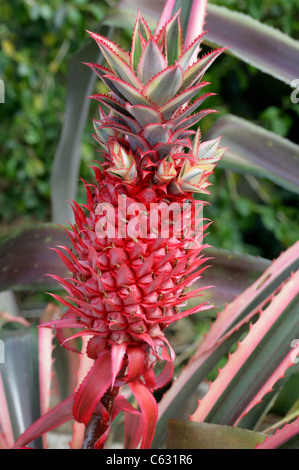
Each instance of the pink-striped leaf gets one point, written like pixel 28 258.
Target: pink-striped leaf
pixel 51 420
pixel 266 48
pixel 253 297
pixel 227 329
pixel 45 360
pixel 6 430
pixel 93 387
pixel 20 377
pixel 163 15
pixel 196 21
pixel 255 363
pixel 149 410
pixel 283 438
pixel 85 364
pixel 26 258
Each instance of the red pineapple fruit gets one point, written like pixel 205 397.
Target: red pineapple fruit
pixel 130 277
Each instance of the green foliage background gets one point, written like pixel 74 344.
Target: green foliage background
pixel 38 37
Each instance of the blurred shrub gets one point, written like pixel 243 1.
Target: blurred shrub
pixel 37 38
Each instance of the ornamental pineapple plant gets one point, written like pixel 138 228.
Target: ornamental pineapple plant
pixel 131 274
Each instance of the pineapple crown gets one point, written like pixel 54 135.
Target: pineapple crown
pixel 146 135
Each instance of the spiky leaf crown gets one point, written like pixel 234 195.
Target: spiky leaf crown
pixel 146 135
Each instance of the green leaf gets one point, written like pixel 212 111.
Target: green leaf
pixel 141 30
pixel 136 50
pixel 156 133
pixel 189 109
pixel 188 435
pixel 257 151
pixel 112 104
pixel 8 302
pixel 287 396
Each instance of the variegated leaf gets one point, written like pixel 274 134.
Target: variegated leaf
pixel 173 39
pixel 260 360
pixel 189 109
pixel 196 71
pixel 173 105
pixel 130 93
pixel 164 86
pixel 227 329
pixel 156 133
pixel 114 47
pixel 187 55
pixel 207 150
pixel 151 63
pixel 144 114
pixel 194 119
pixel 141 30
pixel 119 66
